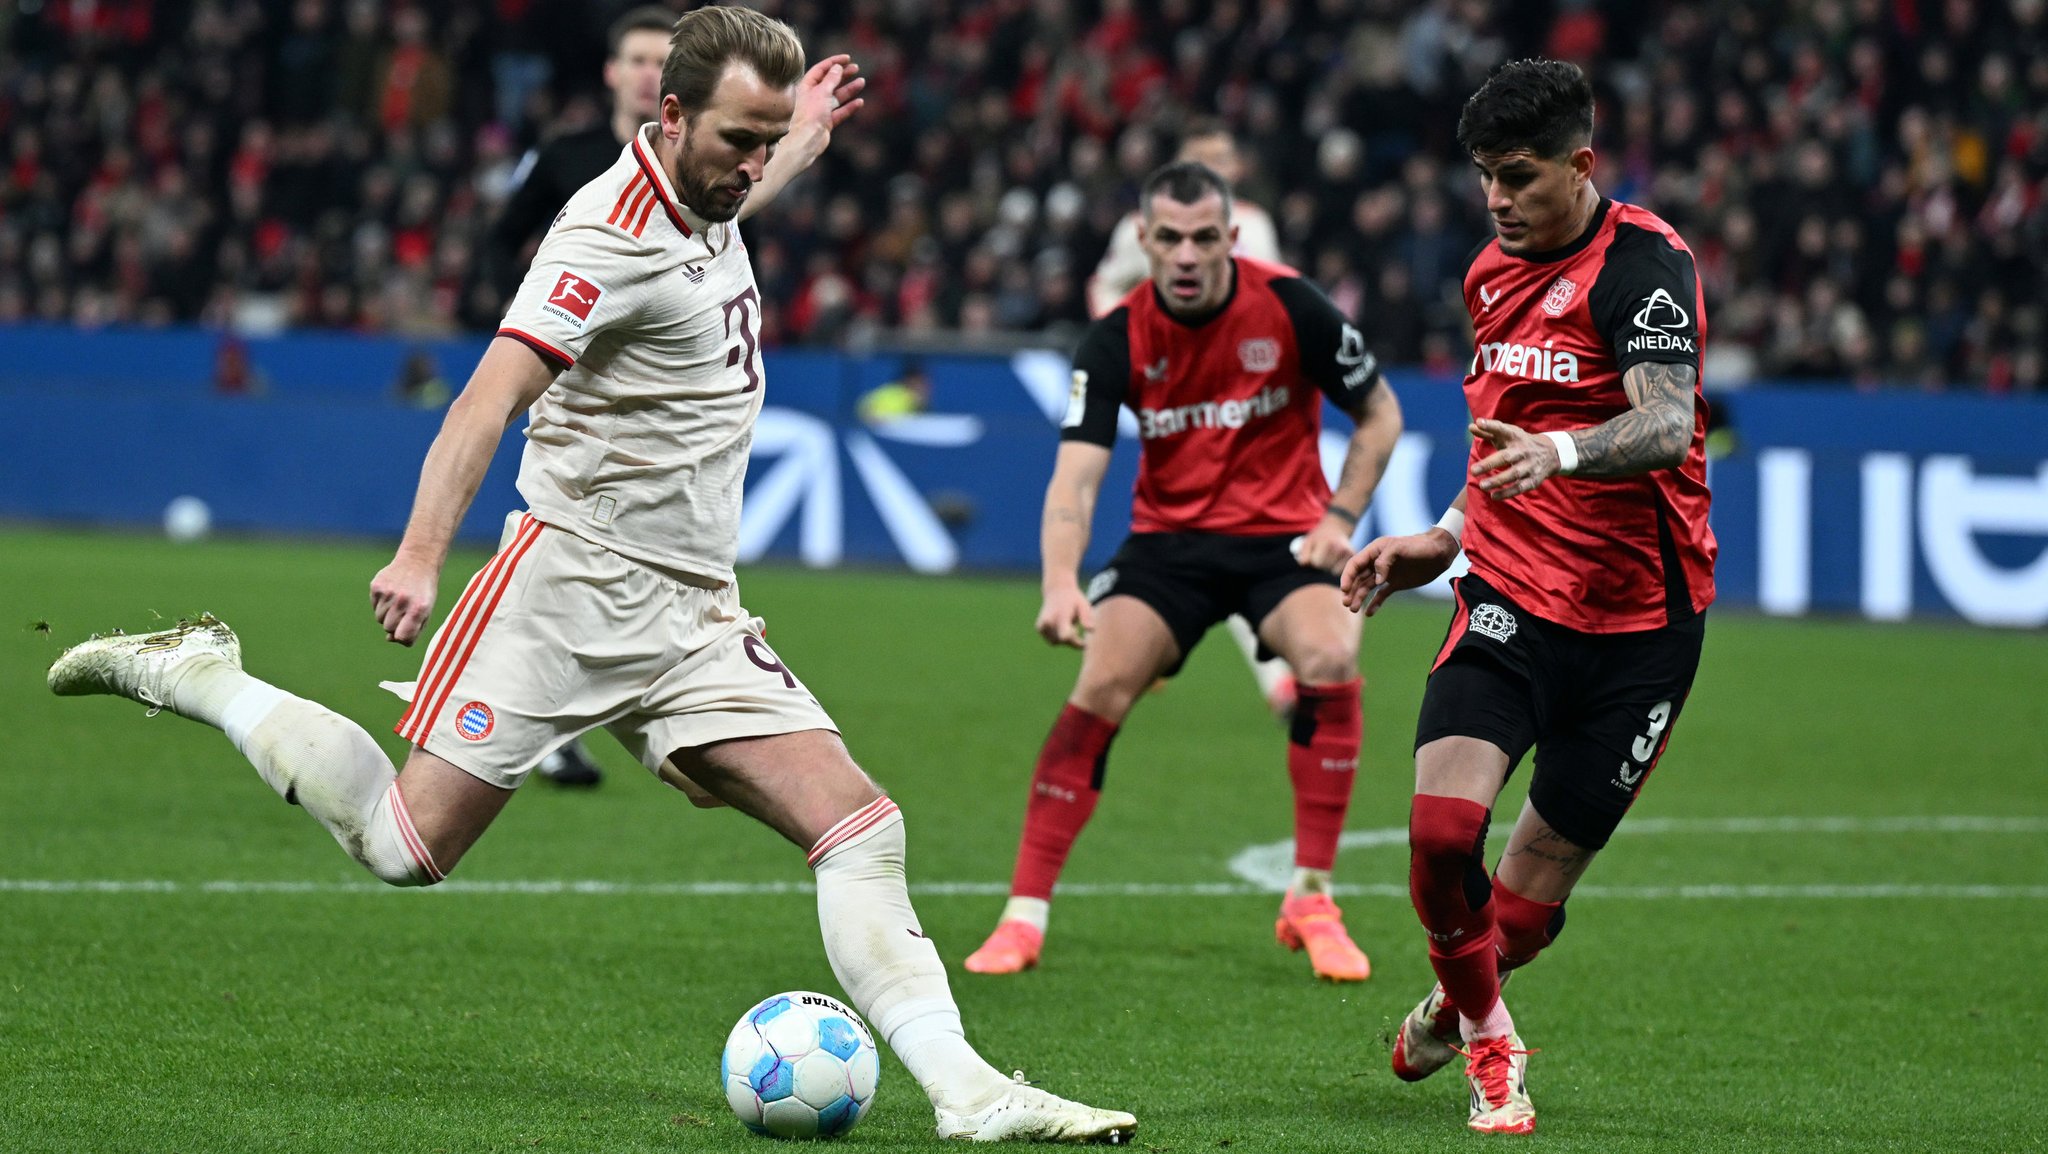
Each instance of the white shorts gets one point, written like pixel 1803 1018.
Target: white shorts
pixel 557 636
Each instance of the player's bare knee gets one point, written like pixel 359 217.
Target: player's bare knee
pixel 1108 699
pixel 1325 664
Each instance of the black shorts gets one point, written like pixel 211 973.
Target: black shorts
pixel 1194 580
pixel 1598 707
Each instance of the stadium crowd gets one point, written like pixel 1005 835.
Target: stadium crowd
pixel 1862 180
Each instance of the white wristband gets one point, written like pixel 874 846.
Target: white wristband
pixel 1567 452
pixel 1453 522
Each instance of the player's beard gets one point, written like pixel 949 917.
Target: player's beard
pixel 707 196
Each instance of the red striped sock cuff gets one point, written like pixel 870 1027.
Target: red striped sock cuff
pixel 853 827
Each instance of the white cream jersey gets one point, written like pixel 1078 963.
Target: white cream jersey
pixel 640 445
pixel 1124 266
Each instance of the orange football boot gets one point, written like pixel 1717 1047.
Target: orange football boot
pixel 1011 949
pixel 1314 922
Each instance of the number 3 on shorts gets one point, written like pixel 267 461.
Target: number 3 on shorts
pixel 1645 747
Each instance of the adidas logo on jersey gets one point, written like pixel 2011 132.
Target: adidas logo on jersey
pixel 1212 414
pixel 1532 362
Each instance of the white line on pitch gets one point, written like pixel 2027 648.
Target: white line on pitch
pixel 1271 865
pixel 988 889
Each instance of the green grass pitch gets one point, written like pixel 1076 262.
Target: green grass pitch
pixel 1723 986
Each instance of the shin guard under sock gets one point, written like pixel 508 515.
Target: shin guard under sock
pixel 1064 789
pixel 1322 762
pixel 1525 927
pixel 1453 896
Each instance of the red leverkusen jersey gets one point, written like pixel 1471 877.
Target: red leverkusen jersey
pixel 1229 405
pixel 1554 333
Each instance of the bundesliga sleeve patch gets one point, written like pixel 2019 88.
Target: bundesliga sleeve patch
pixel 573 297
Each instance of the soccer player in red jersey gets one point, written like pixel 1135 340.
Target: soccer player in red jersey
pixel 1224 361
pixel 1584 518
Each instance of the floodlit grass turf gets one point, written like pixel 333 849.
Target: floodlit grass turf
pixel 444 1020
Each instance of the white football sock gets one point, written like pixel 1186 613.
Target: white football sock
pixel 1035 911
pixel 1496 1024
pixel 888 968
pixel 317 759
pixel 1308 881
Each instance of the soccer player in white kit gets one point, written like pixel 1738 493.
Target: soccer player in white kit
pixel 632 347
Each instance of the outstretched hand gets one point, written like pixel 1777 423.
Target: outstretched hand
pixel 828 94
pixel 1521 461
pixel 1389 564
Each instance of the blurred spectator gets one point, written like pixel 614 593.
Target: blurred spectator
pixel 1864 181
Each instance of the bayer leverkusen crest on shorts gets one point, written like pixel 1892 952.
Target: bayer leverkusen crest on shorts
pixel 573 297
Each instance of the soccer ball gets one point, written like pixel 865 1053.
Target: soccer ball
pixel 187 519
pixel 799 1065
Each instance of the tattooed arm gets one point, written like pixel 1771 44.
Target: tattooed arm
pixel 1655 433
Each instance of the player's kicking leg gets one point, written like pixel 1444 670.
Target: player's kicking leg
pixel 806 787
pixel 408 831
pixel 1131 646
pixel 1311 628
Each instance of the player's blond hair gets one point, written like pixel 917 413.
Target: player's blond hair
pixel 715 36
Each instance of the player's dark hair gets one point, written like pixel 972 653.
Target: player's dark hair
pixel 1184 182
pixel 646 18
pixel 1545 106
pixel 1204 127
pixel 712 37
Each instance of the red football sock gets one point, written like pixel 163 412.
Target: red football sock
pixel 1064 789
pixel 1322 761
pixel 1525 926
pixel 1453 896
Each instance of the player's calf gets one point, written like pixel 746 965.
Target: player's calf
pixel 1525 927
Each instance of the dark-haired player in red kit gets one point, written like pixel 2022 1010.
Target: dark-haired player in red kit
pixel 1585 521
pixel 1225 363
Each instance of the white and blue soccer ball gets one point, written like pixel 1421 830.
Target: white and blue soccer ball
pixel 799 1065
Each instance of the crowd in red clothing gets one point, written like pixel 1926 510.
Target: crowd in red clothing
pixel 1861 180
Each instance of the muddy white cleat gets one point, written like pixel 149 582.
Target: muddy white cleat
pixel 1423 1044
pixel 143 667
pixel 1028 1114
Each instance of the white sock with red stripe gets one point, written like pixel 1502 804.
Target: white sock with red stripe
pixel 888 968
pixel 317 759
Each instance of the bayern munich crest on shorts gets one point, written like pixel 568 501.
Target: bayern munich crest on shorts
pixel 1493 621
pixel 473 721
pixel 1560 296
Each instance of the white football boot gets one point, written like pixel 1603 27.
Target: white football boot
pixel 1028 1114
pixel 1422 1045
pixel 1498 1072
pixel 143 667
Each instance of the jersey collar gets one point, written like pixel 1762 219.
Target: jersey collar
pixel 1195 322
pixel 1577 246
pixel 688 223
